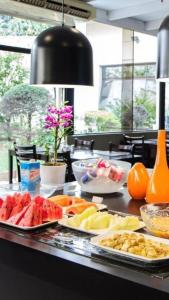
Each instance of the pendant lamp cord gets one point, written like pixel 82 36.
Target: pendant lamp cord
pixel 62 12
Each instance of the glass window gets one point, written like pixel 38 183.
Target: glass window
pixel 124 92
pixel 19 32
pixel 144 97
pixel 116 93
pixel 144 85
pixel 89 112
pixel 22 107
pixel 115 97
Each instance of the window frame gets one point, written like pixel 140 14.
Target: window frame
pixel 132 77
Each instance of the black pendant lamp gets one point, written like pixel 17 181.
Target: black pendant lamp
pixel 163 51
pixel 63 56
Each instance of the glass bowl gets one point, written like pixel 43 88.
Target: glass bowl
pixel 98 180
pixel 156 218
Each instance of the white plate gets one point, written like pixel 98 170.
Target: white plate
pixel 95 242
pixel 64 222
pixel 28 228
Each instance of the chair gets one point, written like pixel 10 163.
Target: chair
pixel 82 144
pixel 123 148
pixel 138 142
pixel 24 153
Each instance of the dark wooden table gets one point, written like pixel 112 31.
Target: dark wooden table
pixel 75 155
pixel 31 270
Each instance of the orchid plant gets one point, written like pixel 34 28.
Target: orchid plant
pixel 58 122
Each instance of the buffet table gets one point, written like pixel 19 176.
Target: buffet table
pixel 36 266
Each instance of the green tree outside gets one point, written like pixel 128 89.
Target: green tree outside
pixel 144 100
pixel 11 26
pixel 101 121
pixel 12 71
pixel 22 107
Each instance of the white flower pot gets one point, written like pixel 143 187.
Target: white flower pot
pixel 53 175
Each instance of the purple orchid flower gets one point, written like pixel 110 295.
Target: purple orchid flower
pixel 57 120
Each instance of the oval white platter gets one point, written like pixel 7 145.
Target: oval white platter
pixel 95 241
pixel 64 222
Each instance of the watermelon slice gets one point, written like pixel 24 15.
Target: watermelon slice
pixel 58 212
pixel 1 201
pixel 39 200
pixel 7 207
pixel 46 213
pixel 37 215
pixel 40 215
pixel 4 213
pixel 51 211
pixel 17 208
pixel 26 199
pixel 27 219
pixel 20 202
pixel 20 210
pixel 16 218
pixel 11 201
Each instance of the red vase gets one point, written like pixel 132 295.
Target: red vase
pixel 158 187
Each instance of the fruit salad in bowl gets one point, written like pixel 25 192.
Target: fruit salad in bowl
pixel 100 176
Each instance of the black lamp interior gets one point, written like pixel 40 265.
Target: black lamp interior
pixel 62 55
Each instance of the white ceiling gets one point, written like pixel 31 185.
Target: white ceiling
pixel 141 15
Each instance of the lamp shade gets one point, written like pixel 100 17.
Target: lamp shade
pixel 163 51
pixel 62 55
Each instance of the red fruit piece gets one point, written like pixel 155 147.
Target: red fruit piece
pixel 17 208
pixel 27 219
pixel 37 215
pixel 7 207
pixel 1 202
pixel 16 219
pixel 51 211
pixel 40 215
pixel 47 214
pixel 44 215
pixel 58 212
pixel 39 200
pixel 26 199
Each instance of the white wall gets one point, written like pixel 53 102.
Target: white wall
pixel 106 42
